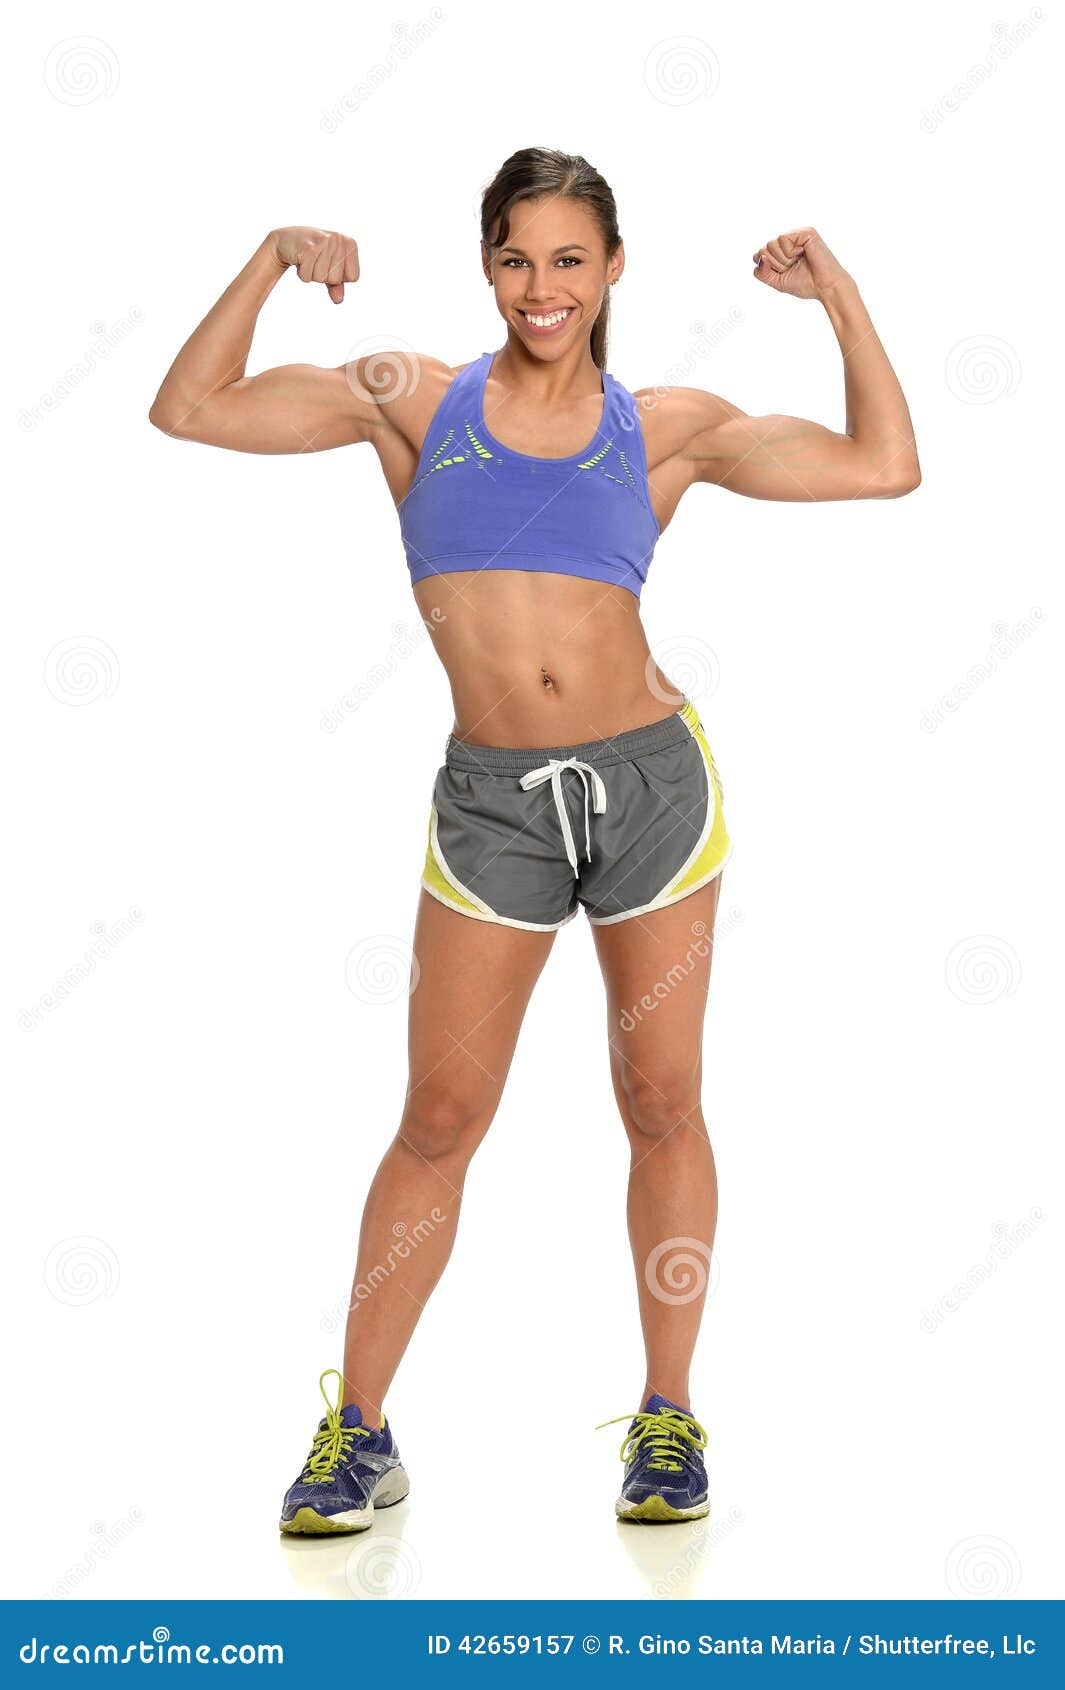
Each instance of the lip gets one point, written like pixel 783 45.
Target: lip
pixel 544 333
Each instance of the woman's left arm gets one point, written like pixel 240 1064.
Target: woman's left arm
pixel 779 457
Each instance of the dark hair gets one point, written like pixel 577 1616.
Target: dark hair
pixel 535 171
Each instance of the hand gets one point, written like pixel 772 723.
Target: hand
pixel 318 255
pixel 799 264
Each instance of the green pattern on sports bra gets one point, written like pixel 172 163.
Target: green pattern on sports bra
pixel 595 462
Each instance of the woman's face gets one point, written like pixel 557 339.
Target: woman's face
pixel 552 266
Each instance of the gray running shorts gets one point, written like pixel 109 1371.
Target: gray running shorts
pixel 623 826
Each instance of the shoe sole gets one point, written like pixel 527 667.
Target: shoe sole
pixel 307 1522
pixel 656 1511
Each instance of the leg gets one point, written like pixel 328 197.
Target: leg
pixel 475 982
pixel 656 969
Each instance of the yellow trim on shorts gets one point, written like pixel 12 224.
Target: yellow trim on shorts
pixel 439 879
pixel 711 850
pixel 711 853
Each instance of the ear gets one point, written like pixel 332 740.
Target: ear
pixel 616 264
pixel 486 262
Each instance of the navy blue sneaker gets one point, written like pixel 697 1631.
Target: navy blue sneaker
pixel 350 1471
pixel 665 1478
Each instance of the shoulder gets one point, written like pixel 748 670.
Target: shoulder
pixel 674 418
pixel 398 391
pixel 390 375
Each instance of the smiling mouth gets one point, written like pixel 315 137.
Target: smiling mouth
pixel 547 322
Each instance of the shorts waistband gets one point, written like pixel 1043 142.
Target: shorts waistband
pixel 522 760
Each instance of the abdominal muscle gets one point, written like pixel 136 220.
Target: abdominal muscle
pixel 536 659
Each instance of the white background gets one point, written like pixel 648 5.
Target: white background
pixel 193 1124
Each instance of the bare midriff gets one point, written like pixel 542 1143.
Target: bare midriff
pixel 536 659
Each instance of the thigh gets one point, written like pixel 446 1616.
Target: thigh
pixel 656 969
pixel 474 980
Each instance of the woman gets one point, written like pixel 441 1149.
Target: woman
pixel 531 488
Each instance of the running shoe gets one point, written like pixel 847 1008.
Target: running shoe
pixel 665 1478
pixel 351 1470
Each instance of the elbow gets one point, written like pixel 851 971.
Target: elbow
pixel 907 483
pixel 160 416
pixel 897 480
pixel 171 419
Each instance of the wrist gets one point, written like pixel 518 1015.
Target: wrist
pixel 268 252
pixel 842 299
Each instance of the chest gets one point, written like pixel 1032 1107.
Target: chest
pixel 558 431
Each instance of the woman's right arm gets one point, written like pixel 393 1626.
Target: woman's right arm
pixel 206 396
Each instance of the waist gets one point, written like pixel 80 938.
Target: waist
pixel 657 735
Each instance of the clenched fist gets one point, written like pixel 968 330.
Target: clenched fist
pixel 318 255
pixel 798 263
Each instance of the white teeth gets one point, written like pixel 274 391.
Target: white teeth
pixel 547 322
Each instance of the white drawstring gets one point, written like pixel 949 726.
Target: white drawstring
pixel 552 771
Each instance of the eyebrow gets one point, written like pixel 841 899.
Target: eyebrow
pixel 573 247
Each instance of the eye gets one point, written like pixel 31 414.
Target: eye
pixel 567 258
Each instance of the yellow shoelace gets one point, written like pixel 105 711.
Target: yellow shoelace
pixel 668 1434
pixel 333 1441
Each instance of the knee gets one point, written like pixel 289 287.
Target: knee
pixel 442 1124
pixel 658 1102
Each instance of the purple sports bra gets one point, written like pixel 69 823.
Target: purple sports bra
pixel 476 504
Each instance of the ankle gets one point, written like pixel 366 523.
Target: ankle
pixel 675 1392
